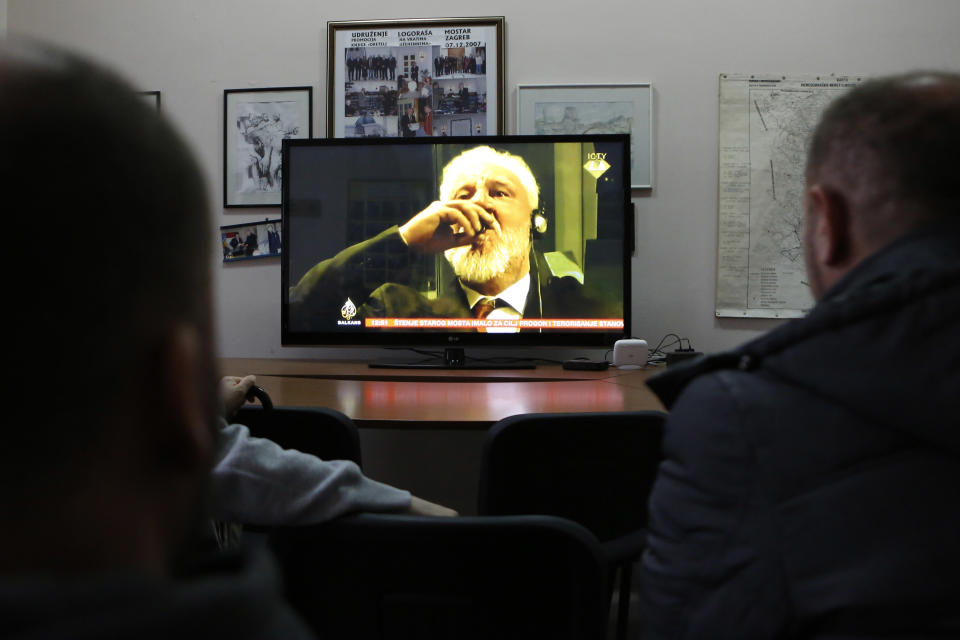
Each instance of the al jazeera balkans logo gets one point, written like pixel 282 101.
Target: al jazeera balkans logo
pixel 348 311
pixel 597 164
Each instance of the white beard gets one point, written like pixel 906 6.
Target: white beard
pixel 493 257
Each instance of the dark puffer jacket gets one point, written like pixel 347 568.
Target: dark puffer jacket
pixel 811 481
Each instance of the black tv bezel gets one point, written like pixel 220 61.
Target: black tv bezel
pixel 396 338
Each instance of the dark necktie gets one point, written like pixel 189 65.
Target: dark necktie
pixel 482 309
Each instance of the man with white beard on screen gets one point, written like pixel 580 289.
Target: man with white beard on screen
pixel 482 223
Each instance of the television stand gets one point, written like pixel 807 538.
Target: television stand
pixel 453 358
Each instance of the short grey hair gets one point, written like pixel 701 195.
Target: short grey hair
pixel 473 161
pixel 898 137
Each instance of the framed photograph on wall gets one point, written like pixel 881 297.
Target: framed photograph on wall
pixel 406 78
pixel 255 122
pixel 151 98
pixel 251 240
pixel 593 108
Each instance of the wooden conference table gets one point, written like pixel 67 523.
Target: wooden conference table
pixel 443 399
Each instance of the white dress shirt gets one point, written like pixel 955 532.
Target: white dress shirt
pixel 510 303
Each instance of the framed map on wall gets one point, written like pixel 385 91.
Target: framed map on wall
pixel 765 122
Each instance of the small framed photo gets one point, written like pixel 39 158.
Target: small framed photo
pixel 251 240
pixel 151 98
pixel 255 123
pixel 407 78
pixel 593 108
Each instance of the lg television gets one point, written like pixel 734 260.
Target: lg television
pixel 456 241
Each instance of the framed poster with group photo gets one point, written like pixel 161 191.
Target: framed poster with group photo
pixel 408 78
pixel 593 108
pixel 255 123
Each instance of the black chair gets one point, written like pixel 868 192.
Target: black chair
pixel 325 433
pixel 377 576
pixel 596 469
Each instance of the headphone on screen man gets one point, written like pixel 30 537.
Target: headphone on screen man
pixel 538 223
pixel 538 228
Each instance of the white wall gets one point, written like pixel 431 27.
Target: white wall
pixel 192 50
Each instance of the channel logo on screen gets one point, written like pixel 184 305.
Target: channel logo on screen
pixel 597 164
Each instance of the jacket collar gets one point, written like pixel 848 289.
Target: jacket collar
pixel 907 268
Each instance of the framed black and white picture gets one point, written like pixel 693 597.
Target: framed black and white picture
pixel 255 123
pixel 251 240
pixel 151 98
pixel 593 108
pixel 407 78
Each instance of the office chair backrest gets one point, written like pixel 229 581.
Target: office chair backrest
pixel 376 576
pixel 596 469
pixel 325 433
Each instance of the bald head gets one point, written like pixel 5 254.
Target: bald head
pixel 883 162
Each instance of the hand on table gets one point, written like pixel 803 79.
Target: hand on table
pixel 233 393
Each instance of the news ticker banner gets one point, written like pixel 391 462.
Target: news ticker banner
pixel 473 323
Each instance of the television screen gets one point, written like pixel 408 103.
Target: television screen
pixel 499 240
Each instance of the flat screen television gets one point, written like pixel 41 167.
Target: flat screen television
pixel 402 241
